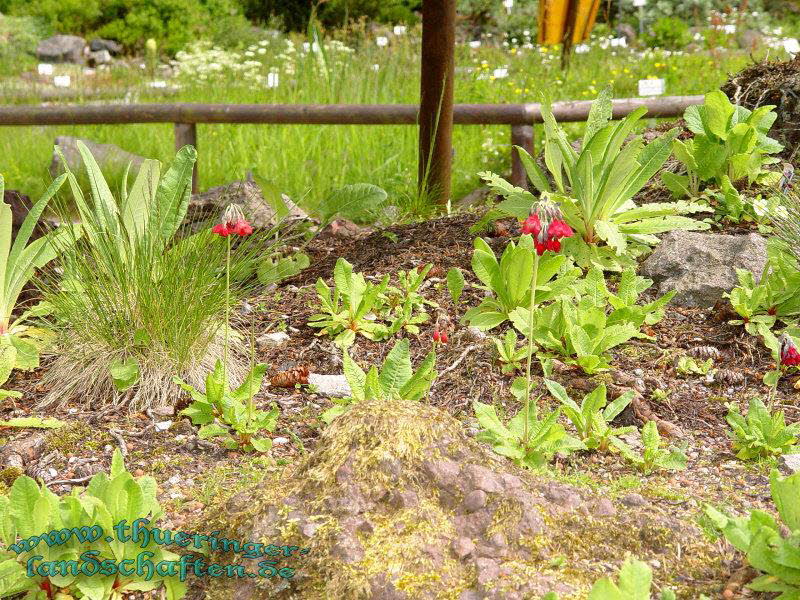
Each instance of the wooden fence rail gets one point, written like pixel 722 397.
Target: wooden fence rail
pixel 186 116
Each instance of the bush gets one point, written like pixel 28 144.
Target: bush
pixel 172 23
pixel 295 14
pixel 63 16
pixel 18 39
pixel 668 32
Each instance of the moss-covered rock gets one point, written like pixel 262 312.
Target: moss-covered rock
pixel 398 502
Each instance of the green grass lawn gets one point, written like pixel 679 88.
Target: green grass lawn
pixel 307 161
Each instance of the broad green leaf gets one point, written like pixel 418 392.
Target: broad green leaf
pixel 455 283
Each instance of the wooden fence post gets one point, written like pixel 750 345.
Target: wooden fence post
pixel 186 135
pixel 522 136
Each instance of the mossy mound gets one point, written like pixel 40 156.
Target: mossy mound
pixel 398 502
pixel 776 83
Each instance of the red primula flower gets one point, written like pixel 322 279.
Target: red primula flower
pixel 233 223
pixel 440 336
pixel 547 226
pixel 790 356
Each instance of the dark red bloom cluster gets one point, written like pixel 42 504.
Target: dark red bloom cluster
pixel 790 356
pixel 546 225
pixel 440 336
pixel 233 223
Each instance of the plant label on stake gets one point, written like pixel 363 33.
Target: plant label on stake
pixel 651 87
pixel 639 3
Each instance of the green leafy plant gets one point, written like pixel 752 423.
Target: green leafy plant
pixel 775 296
pixel 231 414
pixel 669 33
pixel 635 580
pixel 761 434
pixel 276 269
pixel 583 331
pixel 593 417
pixel 509 353
pixel 349 308
pixel 730 142
pixel 134 290
pixel 21 343
pixel 86 516
pixel 396 379
pixel 653 456
pixel 509 280
pixel 759 536
pixel 596 186
pixel 404 307
pixel 688 365
pixel 527 440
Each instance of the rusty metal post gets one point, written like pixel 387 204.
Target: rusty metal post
pixel 186 135
pixel 522 136
pixel 436 98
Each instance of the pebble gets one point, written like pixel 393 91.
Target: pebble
pixel 108 448
pixel 180 437
pixel 638 372
pixel 162 425
pixel 275 339
pixel 52 472
pixel 72 411
pixel 174 479
pixel 280 441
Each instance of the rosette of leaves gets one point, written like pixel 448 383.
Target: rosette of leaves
pixel 31 510
pixel 729 143
pixel 231 414
pixel 764 540
pixel 350 307
pixel 653 456
pixel 761 434
pixel 402 305
pixel 596 186
pixel 583 331
pixel 532 444
pixel 396 379
pixel 509 280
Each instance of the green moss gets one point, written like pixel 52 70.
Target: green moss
pixel 9 475
pixel 76 437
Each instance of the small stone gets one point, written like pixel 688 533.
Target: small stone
pixel 164 411
pixel 488 570
pixel 603 508
pixel 272 340
pixel 789 463
pixel 175 479
pixel 280 441
pixel 632 500
pixel 162 425
pixel 138 472
pixel 52 473
pixel 482 478
pixel 562 496
pixel 638 372
pixel 180 438
pixel 462 547
pixel 475 500
pixel 443 473
pixel 406 499
pixel 72 411
pixel 108 448
pixel 531 522
pixel 309 529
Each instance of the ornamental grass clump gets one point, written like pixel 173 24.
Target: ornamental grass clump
pixel 135 302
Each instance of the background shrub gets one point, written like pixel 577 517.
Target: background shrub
pixel 63 16
pixel 293 15
pixel 668 32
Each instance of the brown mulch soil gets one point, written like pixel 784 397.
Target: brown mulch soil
pixel 193 474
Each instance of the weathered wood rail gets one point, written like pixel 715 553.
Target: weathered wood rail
pixel 185 117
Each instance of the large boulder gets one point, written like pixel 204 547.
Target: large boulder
pixel 99 44
pixel 62 48
pixel 111 159
pixel 247 194
pixel 398 502
pixel 702 266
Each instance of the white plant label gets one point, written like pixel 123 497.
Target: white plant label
pixel 791 45
pixel 45 69
pixel 638 3
pixel 651 87
pixel 61 80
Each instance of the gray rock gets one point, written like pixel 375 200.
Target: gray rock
pixel 62 48
pixel 405 499
pixel 462 547
pixel 247 194
pixel 750 39
pixel 562 496
pixel 101 57
pixel 112 47
pixel 603 508
pixel 111 159
pixel 482 478
pixel 470 595
pixel 702 266
pixel 475 500
pixel 335 386
pixel 789 464
pixel 488 570
pixel 272 340
pixel 633 500
pixel 443 473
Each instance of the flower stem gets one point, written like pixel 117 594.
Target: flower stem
pixel 227 308
pixel 531 310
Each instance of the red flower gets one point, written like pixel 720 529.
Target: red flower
pixel 233 223
pixel 790 356
pixel 440 336
pixel 221 229
pixel 532 225
pixel 559 229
